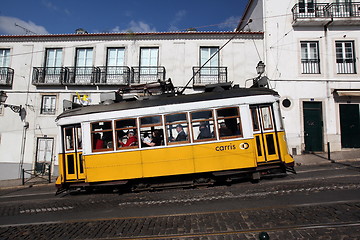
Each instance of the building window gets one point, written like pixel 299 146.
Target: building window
pixel 310 62
pixel 306 6
pixel 84 66
pixel 149 61
pixel 44 154
pixel 211 67
pixel 4 57
pixel 345 57
pixel 115 62
pixel 53 58
pixel 48 105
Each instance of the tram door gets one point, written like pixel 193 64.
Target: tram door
pixel 74 169
pixel 264 133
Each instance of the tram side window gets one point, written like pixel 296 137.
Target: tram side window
pixel 151 131
pixel 255 119
pixel 126 133
pixel 203 125
pixel 266 118
pixel 228 121
pixel 177 128
pixel 69 139
pixel 102 136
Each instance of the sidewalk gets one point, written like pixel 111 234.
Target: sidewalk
pixel 322 158
pixel 300 160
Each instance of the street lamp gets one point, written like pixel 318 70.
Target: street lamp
pixel 15 108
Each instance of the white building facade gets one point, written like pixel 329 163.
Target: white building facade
pixel 39 72
pixel 311 50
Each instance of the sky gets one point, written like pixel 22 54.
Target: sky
pixel 19 17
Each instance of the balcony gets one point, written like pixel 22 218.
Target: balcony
pixel 345 13
pixel 311 14
pixel 48 76
pixel 6 76
pixel 209 75
pixel 147 74
pixel 117 75
pixel 320 14
pixel 80 75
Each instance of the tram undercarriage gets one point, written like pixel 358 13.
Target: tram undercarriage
pixel 184 181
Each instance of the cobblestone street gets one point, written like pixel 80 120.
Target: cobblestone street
pixel 320 202
pixel 330 221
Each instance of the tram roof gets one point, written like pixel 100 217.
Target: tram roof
pixel 160 100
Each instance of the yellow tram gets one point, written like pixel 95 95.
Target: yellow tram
pixel 207 135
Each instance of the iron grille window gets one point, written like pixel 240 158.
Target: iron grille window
pixel 48 105
pixel 345 57
pixel 310 62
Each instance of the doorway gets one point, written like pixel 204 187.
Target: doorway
pixel 350 125
pixel 313 126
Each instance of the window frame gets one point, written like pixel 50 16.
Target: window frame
pixel 239 124
pixel 314 62
pixel 5 57
pixel 92 132
pixel 340 62
pixel 132 128
pixel 52 105
pixel 213 137
pixel 168 141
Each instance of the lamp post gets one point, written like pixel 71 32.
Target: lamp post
pixel 15 108
pixel 22 113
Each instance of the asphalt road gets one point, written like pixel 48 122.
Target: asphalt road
pixel 321 201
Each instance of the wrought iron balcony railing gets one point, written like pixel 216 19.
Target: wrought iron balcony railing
pixel 6 76
pixel 147 74
pixel 209 75
pixel 321 13
pixel 344 10
pixel 80 75
pixel 310 10
pixel 48 75
pixel 113 75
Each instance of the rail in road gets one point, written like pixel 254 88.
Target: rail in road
pixel 269 207
pixel 308 221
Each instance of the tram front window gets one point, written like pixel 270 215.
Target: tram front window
pixel 177 127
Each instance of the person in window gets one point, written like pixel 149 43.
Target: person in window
pixel 224 130
pixel 182 136
pixel 155 139
pixel 98 142
pixel 130 141
pixel 204 131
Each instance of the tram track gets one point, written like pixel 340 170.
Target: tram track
pixel 255 231
pixel 279 221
